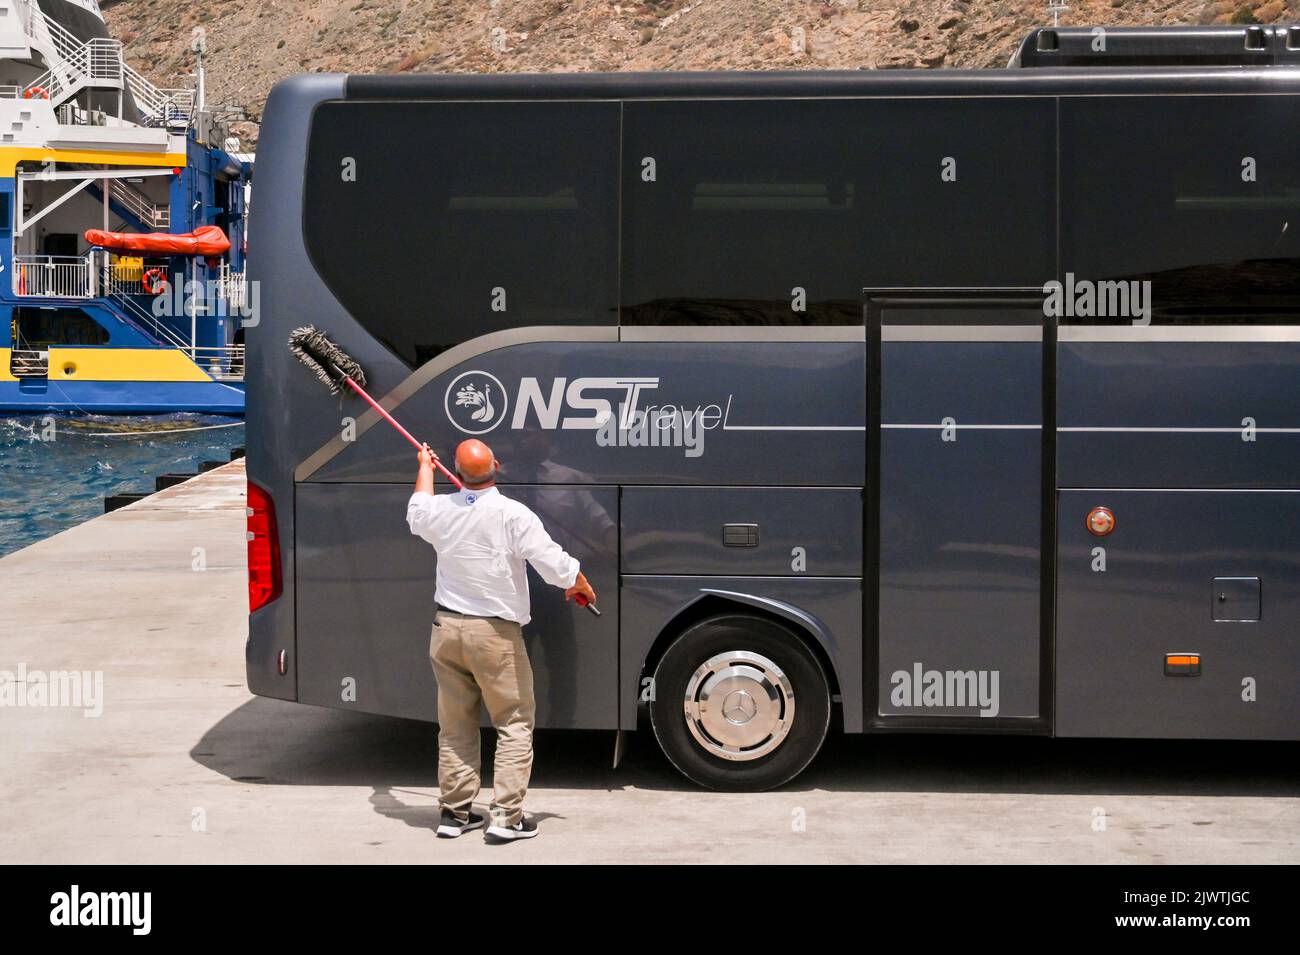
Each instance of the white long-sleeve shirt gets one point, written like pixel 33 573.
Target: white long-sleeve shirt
pixel 482 539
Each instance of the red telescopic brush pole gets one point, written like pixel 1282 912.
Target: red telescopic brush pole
pixel 406 434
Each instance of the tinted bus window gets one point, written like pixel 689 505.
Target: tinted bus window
pixel 1197 195
pixel 464 218
pixel 729 206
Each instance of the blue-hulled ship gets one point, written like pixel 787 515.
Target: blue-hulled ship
pixel 113 298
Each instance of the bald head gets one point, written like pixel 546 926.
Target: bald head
pixel 475 462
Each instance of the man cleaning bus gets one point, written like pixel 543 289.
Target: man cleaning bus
pixel 477 647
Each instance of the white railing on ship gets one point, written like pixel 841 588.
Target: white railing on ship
pixel 29 363
pixel 97 61
pixel 64 42
pixel 139 205
pixel 101 58
pixel 163 107
pixel 49 85
pixel 121 290
pixel 67 276
pixel 222 362
pixel 233 287
pixel 181 99
pixel 112 280
pixel 62 276
pixel 230 287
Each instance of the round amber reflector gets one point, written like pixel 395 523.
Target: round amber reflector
pixel 1101 521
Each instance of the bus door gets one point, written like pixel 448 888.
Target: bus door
pixel 959 470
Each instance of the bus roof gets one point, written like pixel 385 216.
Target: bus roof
pixel 1061 81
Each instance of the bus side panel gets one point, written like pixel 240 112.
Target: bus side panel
pixel 756 531
pixel 366 604
pixel 960 529
pixel 834 605
pixel 1207 573
pixel 1174 414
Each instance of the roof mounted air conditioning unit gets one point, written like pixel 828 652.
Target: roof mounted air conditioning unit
pixel 1253 45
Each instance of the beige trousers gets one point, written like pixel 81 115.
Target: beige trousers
pixel 476 659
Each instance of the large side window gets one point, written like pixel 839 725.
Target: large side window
pixel 1200 196
pixel 434 223
pixel 779 212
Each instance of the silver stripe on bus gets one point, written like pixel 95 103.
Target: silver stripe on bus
pixel 961 333
pixel 449 359
pixel 962 427
pixel 1237 430
pixel 1090 430
pixel 742 333
pixel 794 427
pixel 1178 333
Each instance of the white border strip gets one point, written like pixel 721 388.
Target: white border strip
pixel 1237 430
pixel 961 333
pixel 962 427
pixel 742 333
pixel 1178 333
pixel 1076 430
pixel 794 427
pixel 1003 427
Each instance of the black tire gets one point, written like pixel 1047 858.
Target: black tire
pixel 779 644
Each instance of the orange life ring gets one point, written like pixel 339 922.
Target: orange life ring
pixel 153 281
pixel 36 92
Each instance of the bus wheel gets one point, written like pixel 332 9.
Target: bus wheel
pixel 740 703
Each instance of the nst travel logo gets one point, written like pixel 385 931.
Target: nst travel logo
pixel 622 411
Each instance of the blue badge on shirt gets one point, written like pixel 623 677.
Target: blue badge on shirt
pixel 470 498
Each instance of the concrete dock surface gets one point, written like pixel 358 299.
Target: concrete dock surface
pixel 184 765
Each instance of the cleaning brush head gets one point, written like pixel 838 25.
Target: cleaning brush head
pixel 330 363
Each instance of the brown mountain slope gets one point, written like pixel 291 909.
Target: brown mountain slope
pixel 253 43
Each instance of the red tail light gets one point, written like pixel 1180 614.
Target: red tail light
pixel 264 583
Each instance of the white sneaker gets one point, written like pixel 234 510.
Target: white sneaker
pixel 525 828
pixel 449 827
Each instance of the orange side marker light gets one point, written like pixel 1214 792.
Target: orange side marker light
pixel 1101 521
pixel 1182 664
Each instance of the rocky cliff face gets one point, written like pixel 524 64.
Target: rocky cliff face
pixel 253 43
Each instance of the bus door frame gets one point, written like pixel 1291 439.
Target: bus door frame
pixel 875 301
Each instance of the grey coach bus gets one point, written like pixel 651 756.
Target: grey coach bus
pixel 878 401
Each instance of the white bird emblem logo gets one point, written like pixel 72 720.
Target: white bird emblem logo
pixel 469 396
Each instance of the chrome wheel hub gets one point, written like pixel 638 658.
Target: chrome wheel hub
pixel 739 705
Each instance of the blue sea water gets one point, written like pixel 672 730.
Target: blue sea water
pixel 56 470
